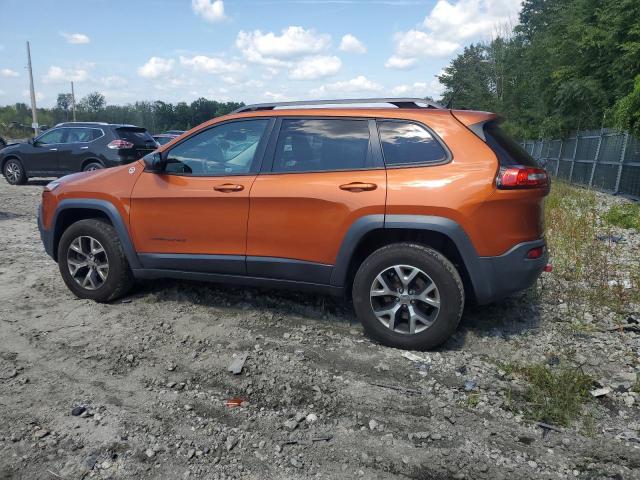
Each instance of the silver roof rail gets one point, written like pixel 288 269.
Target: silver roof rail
pixel 397 102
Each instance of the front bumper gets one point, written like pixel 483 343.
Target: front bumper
pixel 510 272
pixel 45 235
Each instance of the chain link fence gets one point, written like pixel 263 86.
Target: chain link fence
pixel 607 160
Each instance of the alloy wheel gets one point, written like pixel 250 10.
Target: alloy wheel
pixel 13 171
pixel 88 262
pixel 405 299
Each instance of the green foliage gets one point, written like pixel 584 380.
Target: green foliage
pixel 625 215
pixel 567 65
pixel 15 120
pixel 554 396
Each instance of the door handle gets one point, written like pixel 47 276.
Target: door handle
pixel 358 187
pixel 229 187
pixel 53 149
pixel 83 148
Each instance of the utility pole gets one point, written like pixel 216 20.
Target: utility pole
pixel 34 114
pixel 73 102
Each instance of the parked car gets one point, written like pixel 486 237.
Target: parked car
pixel 174 132
pixel 412 211
pixel 164 138
pixel 75 147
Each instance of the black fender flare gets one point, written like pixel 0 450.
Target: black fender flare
pixel 110 211
pixel 443 225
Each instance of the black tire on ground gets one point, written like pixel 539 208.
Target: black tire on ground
pixel 92 166
pixel 432 263
pixel 14 173
pixel 119 279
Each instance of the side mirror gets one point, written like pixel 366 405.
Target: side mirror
pixel 153 162
pixel 31 141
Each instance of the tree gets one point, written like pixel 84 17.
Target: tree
pixel 93 103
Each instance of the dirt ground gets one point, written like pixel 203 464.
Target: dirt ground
pixel 137 389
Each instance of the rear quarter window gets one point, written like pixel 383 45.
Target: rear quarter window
pixel 406 143
pixel 508 151
pixel 134 135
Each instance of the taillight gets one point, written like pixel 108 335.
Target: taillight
pixel 522 177
pixel 535 253
pixel 118 144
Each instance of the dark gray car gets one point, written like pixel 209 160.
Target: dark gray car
pixel 75 147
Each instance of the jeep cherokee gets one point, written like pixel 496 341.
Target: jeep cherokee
pixel 410 208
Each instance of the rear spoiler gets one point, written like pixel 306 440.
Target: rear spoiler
pixel 474 121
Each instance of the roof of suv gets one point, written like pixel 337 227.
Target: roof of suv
pixel 396 102
pixel 95 124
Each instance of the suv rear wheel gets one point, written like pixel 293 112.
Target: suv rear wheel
pixel 408 296
pixel 92 261
pixel 14 172
pixel 90 167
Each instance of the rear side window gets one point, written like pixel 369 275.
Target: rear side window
pixel 405 143
pixel 82 135
pixel 137 136
pixel 316 145
pixel 508 151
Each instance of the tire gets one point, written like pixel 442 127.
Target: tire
pixel 89 167
pixel 14 172
pixel 433 301
pixel 95 285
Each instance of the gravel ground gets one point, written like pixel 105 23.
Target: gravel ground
pixel 137 389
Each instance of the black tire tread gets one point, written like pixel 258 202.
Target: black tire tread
pixel 125 281
pixel 23 178
pixel 428 252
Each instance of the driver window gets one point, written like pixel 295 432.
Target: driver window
pixel 51 137
pixel 227 149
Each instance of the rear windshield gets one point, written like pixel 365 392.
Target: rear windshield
pixel 508 151
pixel 137 136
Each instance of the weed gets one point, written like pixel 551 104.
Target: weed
pixel 553 396
pixel 625 215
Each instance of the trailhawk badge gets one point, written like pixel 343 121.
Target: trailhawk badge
pixel 132 169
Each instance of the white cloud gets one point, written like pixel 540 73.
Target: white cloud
pixel 57 74
pixel 76 38
pixel 277 50
pixel 113 81
pixel 448 26
pixel 400 63
pixel 214 65
pixel 311 68
pixel 431 89
pixel 7 72
pixel 470 19
pixel 155 67
pixel 211 11
pixel 351 44
pixel 355 85
pixel 2 92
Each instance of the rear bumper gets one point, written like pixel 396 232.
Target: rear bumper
pixel 45 235
pixel 509 272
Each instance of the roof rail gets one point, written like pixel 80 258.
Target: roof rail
pixel 398 102
pixel 81 123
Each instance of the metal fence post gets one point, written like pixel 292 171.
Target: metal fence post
pixel 573 159
pixel 559 158
pixel 595 159
pixel 622 154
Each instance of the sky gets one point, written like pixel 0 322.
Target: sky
pixel 238 50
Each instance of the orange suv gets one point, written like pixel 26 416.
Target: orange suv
pixel 411 208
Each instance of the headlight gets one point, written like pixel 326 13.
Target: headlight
pixel 51 186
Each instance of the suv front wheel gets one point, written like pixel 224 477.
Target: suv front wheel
pixel 408 296
pixel 92 261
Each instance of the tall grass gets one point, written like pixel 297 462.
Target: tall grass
pixel 591 272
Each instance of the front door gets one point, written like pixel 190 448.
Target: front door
pixel 193 216
pixel 325 173
pixel 43 155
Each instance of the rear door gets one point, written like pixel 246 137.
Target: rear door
pixel 193 217
pixel 141 142
pixel 79 146
pixel 324 174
